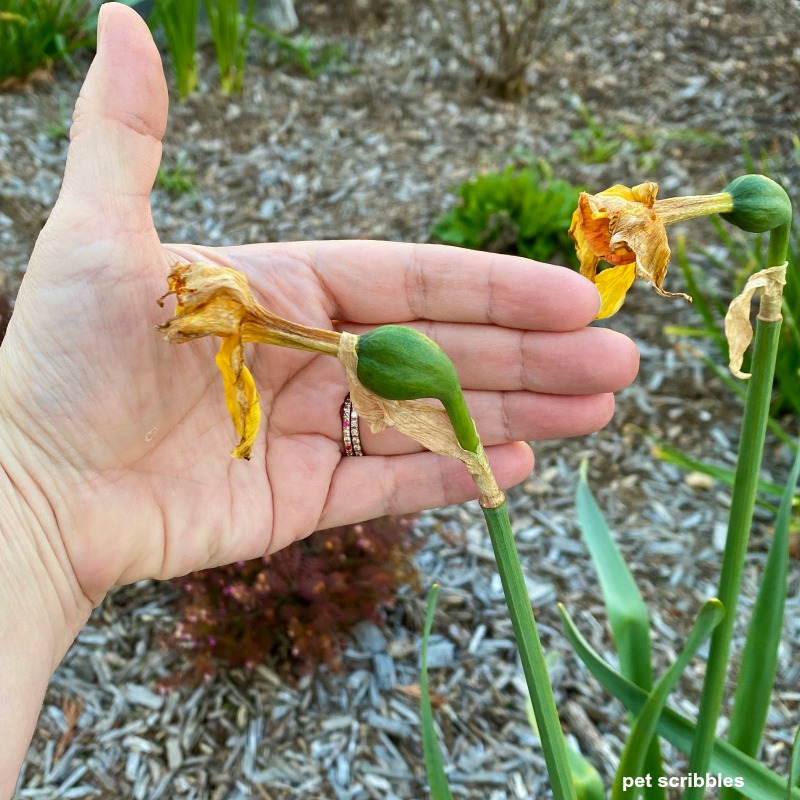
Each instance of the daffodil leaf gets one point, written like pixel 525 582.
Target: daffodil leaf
pixel 759 782
pixel 434 762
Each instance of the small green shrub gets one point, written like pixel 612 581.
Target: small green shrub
pixel 177 180
pixel 296 606
pixel 523 211
pixel 303 53
pixel 36 33
pixel 595 143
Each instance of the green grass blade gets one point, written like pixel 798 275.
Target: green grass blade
pixel 723 373
pixel 760 655
pixel 794 767
pixel 633 755
pixel 434 763
pixel 671 455
pixel 760 783
pixel 626 609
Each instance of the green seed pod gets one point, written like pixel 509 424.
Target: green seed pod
pixel 759 204
pixel 399 363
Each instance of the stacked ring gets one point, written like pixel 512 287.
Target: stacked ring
pixel 350 434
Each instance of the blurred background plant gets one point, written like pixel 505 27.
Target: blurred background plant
pixel 230 31
pixel 295 607
pixel 598 143
pixel 179 179
pixel 499 39
pixel 178 20
pixel 522 210
pixel 35 34
pixel 302 52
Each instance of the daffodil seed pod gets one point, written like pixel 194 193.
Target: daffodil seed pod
pixel 400 363
pixel 759 204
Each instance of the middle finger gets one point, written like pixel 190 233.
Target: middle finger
pixel 587 361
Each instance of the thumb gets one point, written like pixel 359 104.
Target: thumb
pixel 117 127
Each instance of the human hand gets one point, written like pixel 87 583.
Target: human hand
pixel 119 443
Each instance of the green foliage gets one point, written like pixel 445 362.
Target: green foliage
pixel 36 33
pixel 760 783
pixel 759 662
pixel 58 129
pixel 178 20
pixel 230 31
pixel 524 211
pixel 597 144
pixel 745 254
pixel 627 612
pixel 434 762
pixel 794 766
pixel 303 53
pixel 585 778
pixel 177 180
pixel 296 606
pixel 633 756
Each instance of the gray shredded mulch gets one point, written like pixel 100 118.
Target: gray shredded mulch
pixel 371 149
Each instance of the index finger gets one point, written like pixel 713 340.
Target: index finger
pixel 375 282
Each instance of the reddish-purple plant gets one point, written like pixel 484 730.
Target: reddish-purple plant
pixel 296 606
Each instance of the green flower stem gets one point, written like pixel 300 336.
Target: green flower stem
pixel 462 423
pixel 748 464
pixel 531 652
pixel 778 249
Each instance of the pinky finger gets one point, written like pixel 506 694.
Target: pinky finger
pixel 373 486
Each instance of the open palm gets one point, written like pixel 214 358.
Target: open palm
pixel 126 439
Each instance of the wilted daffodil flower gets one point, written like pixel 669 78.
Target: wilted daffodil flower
pixel 216 301
pixel 388 369
pixel 626 228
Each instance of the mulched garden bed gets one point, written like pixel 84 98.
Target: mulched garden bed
pixel 371 149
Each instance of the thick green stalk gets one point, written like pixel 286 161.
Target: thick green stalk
pixel 759 662
pixel 778 249
pixel 461 421
pixel 531 652
pixel 748 464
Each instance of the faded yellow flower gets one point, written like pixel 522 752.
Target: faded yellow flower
pixel 216 301
pixel 626 228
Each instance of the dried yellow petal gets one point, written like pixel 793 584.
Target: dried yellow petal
pixel 241 396
pixel 623 226
pixel 738 329
pixel 216 301
pixel 613 285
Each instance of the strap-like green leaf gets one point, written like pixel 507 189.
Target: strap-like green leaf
pixel 434 763
pixel 626 609
pixel 760 655
pixel 794 766
pixel 643 729
pixel 760 783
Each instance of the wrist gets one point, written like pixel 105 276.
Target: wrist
pixel 41 606
pixel 35 571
